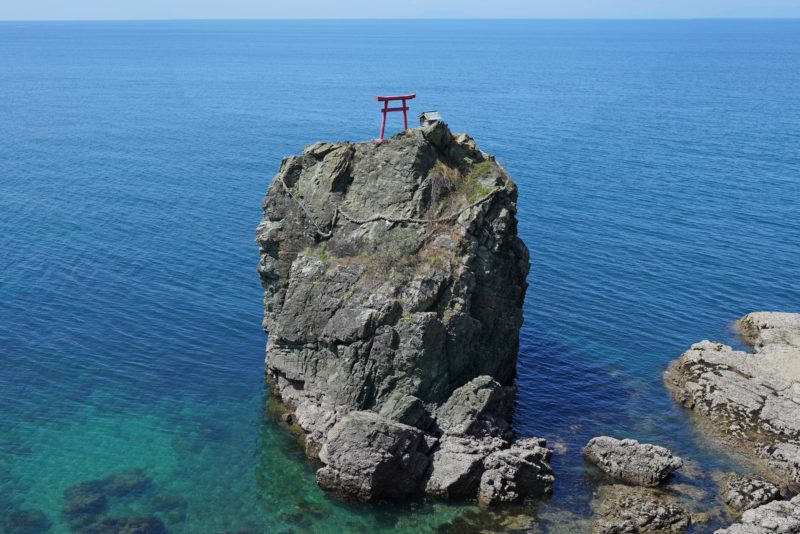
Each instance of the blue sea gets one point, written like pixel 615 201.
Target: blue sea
pixel 658 165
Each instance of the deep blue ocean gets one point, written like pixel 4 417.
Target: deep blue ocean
pixel 658 165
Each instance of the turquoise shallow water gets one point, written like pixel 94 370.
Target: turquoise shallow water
pixel 659 173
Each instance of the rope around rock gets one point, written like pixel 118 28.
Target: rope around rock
pixel 380 217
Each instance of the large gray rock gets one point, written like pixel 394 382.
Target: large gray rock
pixel 457 466
pixel 477 408
pixel 514 474
pixel 776 517
pixel 751 400
pixel 633 462
pixel 627 509
pixel 743 493
pixel 406 409
pixel 475 454
pixel 369 308
pixel 369 457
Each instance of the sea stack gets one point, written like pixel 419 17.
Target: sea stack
pixel 750 400
pixel 393 288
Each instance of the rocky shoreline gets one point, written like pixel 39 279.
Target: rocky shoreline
pixel 394 281
pixel 749 401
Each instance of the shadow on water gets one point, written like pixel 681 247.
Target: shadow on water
pixel 568 397
pixel 288 488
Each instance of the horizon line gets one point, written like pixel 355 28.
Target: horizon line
pixel 388 19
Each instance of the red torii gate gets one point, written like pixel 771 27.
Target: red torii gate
pixel 386 109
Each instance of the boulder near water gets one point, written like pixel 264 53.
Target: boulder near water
pixel 742 492
pixel 393 288
pixel 776 517
pixel 637 463
pixel 749 400
pixel 628 509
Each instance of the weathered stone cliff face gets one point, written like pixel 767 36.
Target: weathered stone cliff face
pixel 752 400
pixel 394 280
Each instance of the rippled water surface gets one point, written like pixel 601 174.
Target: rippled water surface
pixel 659 174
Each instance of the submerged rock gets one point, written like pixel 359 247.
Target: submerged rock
pixel 743 493
pixel 777 517
pixel 88 496
pixel 752 400
pixel 125 525
pixel 393 287
pixel 628 509
pixel 630 461
pixel 171 508
pixel 517 520
pixel 84 499
pixel 26 522
pixel 126 483
pixel 85 502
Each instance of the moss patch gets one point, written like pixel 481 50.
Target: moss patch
pixel 471 186
pixel 451 183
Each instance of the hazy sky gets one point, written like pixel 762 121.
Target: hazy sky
pixel 199 9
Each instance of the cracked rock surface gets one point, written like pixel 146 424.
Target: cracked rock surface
pixel 751 399
pixel 628 509
pixel 628 460
pixel 777 517
pixel 516 472
pixel 394 342
pixel 743 493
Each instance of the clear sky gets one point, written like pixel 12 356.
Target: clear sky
pixel 213 9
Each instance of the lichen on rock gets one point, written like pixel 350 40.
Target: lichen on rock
pixel 742 492
pixel 751 400
pixel 630 509
pixel 776 517
pixel 393 280
pixel 637 463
